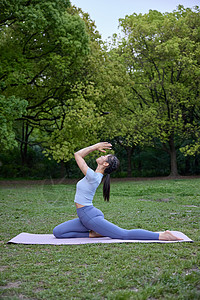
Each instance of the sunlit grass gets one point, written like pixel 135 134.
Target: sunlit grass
pixel 102 271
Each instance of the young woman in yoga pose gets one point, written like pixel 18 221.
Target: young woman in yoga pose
pixel 90 221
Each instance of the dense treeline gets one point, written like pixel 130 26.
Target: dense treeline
pixel 145 162
pixel 62 88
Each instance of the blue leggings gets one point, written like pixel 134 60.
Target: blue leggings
pixel 91 218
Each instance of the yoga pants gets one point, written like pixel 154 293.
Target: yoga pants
pixel 91 218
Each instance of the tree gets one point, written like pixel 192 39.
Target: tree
pixel 10 109
pixel 42 49
pixel 129 124
pixel 161 54
pixel 54 59
pixel 102 92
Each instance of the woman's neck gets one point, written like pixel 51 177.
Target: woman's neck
pixel 99 169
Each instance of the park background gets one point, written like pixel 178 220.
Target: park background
pixel 64 87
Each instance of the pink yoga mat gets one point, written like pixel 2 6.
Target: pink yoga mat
pixel 49 239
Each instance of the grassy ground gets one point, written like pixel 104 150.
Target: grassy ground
pixel 102 271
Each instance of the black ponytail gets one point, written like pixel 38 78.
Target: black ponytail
pixel 113 165
pixel 106 188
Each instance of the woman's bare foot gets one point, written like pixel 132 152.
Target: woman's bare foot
pixel 93 234
pixel 168 236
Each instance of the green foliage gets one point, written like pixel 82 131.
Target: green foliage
pixel 60 68
pixel 10 109
pixel 193 148
pixel 42 51
pixel 80 124
pixel 102 271
pixel 161 52
pixel 79 92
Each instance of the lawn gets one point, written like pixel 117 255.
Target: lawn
pixel 102 271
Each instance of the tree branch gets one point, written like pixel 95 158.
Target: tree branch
pixel 140 96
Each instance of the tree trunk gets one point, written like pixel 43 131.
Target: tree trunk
pixel 24 144
pixel 173 158
pixel 23 154
pixel 129 151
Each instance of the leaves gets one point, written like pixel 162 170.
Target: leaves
pixel 42 52
pixel 161 55
pixel 10 108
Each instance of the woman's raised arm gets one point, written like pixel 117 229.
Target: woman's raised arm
pixel 79 155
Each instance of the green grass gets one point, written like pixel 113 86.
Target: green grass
pixel 102 271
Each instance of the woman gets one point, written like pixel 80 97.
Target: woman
pixel 90 221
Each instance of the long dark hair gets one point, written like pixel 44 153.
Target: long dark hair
pixel 113 165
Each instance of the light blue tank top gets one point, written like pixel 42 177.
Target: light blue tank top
pixel 86 187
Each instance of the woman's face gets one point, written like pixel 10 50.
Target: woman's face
pixel 102 159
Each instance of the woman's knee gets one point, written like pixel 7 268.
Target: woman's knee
pixel 56 232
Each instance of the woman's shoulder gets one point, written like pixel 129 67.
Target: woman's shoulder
pixel 92 175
